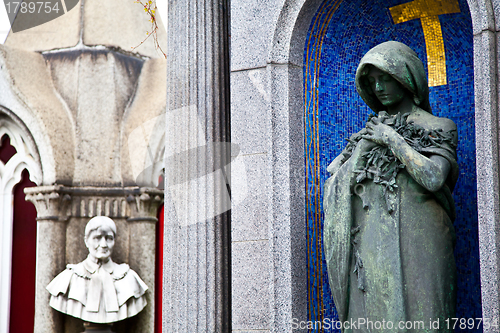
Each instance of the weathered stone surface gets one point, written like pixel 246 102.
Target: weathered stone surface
pixel 61 32
pixel 125 23
pixel 73 74
pixel 251 208
pixel 250 41
pixel 250 98
pixel 30 93
pixel 290 31
pixel 142 258
pixel 486 98
pixel 143 134
pixel 105 85
pixel 287 230
pixel 251 270
pixel 51 207
pixel 50 262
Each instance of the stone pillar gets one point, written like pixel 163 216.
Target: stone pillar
pixel 486 83
pixel 144 205
pixel 51 206
pixel 196 288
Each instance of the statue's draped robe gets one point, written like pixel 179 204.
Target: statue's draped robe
pixel 395 266
pixel 98 293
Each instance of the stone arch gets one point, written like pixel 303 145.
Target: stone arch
pixel 143 128
pixel 28 94
pixel 26 157
pixel 483 14
pixel 284 65
pixel 286 61
pixel 291 31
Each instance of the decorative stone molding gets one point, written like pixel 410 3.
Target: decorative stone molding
pixel 144 203
pixel 90 206
pixel 59 202
pixel 94 201
pixel 50 202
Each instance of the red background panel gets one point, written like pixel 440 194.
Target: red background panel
pixel 22 301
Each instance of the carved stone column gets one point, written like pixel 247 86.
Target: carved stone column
pixel 144 203
pixel 197 289
pixel 51 206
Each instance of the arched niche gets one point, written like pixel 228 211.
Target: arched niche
pixel 25 157
pixel 334 111
pixel 286 61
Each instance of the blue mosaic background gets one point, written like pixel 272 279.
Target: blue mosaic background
pixel 340 34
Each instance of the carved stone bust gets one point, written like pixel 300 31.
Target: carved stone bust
pixel 97 290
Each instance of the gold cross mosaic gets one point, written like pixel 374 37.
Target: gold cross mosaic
pixel 428 12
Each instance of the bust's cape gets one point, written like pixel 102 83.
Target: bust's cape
pixel 98 293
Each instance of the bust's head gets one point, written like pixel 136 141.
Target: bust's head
pixel 100 235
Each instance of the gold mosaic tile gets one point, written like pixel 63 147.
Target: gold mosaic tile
pixel 428 12
pixel 434 44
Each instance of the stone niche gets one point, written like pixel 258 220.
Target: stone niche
pixel 63 213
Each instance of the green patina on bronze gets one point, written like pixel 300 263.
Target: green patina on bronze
pixel 388 230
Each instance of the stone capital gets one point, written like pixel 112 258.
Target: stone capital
pixel 58 203
pixel 144 203
pixel 51 202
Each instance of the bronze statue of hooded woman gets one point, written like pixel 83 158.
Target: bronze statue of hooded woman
pixel 388 232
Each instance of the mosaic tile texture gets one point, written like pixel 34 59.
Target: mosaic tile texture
pixel 428 11
pixel 340 34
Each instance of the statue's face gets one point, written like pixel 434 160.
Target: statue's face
pixel 388 91
pixel 100 243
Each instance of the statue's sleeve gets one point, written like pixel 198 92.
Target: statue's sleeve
pixel 444 194
pixel 444 143
pixel 449 154
pixel 337 233
pixel 60 283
